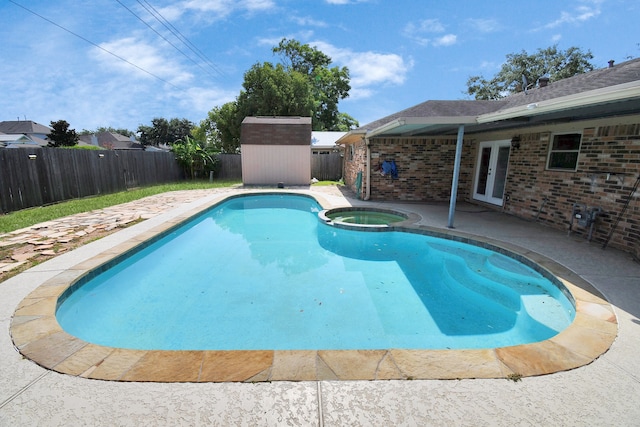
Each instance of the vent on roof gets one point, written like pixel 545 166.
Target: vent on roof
pixel 611 63
pixel 543 81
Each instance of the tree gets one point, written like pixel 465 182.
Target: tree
pixel 163 131
pixel 61 135
pixel 522 67
pixel 273 91
pixel 328 85
pixel 303 85
pixel 197 157
pixel 221 128
pixel 121 131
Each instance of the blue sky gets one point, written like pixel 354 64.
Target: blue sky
pixel 121 68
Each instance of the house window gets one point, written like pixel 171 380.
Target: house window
pixel 563 151
pixel 351 152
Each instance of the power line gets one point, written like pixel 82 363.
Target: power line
pixel 165 39
pixel 162 20
pixel 96 45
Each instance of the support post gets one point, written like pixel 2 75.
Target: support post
pixel 456 177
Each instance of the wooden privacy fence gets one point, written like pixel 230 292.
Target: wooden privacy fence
pixel 40 176
pixel 324 167
pixel 229 166
pixel 35 177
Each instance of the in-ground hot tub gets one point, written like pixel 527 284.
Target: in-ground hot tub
pixel 363 216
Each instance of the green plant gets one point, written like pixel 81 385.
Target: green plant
pixel 196 157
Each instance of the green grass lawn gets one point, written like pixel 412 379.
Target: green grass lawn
pixel 28 217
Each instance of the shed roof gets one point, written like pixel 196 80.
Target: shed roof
pixel 282 120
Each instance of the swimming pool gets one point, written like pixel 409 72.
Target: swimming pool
pixel 265 268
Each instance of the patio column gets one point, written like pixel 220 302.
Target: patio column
pixel 456 177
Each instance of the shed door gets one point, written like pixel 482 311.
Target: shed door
pixel 491 171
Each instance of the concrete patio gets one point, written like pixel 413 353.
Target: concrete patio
pixel 605 392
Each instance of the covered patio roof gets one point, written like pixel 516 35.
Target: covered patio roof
pixel 608 92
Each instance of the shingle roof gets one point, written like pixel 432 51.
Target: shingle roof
pixel 23 126
pixel 440 109
pixel 624 72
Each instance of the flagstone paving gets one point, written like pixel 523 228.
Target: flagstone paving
pixel 48 239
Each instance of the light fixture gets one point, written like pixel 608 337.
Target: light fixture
pixel 32 156
pixel 515 142
pixel 101 155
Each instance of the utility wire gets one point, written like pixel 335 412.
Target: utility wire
pixel 162 20
pixel 96 45
pixel 165 39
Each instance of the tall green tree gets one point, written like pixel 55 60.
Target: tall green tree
pixel 302 85
pixel 523 68
pixel 271 90
pixel 61 135
pixel 163 131
pixel 328 84
pixel 221 128
pixel 121 131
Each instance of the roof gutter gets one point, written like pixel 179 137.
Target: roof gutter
pixel 606 95
pixel 351 137
pixel 425 122
pixel 387 127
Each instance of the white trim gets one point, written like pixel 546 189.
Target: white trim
pixel 597 96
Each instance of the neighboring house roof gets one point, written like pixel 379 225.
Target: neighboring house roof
pixel 325 140
pixel 600 93
pixel 111 141
pixel 24 127
pixel 7 140
pixel 36 132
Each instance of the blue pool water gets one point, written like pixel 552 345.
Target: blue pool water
pixel 262 272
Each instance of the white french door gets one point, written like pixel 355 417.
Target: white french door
pixel 491 171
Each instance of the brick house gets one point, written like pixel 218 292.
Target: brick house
pixel 556 153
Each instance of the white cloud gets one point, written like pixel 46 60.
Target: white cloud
pixel 483 25
pixel 341 2
pixel 368 70
pixel 204 99
pixel 214 9
pixel 308 21
pixel 446 40
pixel 149 60
pixel 588 10
pixel 422 33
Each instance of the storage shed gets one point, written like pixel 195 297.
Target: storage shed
pixel 276 150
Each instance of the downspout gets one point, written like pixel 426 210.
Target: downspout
pixel 456 176
pixel 367 188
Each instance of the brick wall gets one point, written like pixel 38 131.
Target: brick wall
pixel 606 153
pixel 355 160
pixel 425 168
pixel 425 171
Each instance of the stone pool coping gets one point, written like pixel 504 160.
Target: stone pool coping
pixel 38 337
